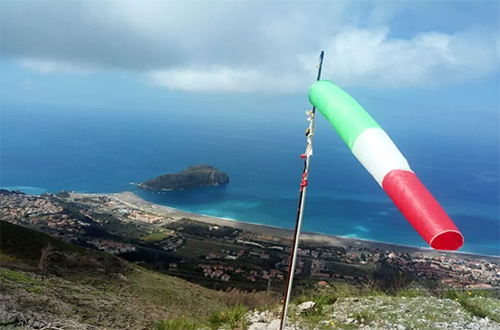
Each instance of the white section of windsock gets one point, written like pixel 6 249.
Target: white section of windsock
pixel 378 154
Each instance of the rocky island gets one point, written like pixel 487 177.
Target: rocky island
pixel 189 178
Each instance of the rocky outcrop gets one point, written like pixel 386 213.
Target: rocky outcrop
pixel 382 313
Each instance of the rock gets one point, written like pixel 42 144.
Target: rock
pixel 401 327
pixel 274 325
pixel 349 320
pixel 259 317
pixel 253 317
pixel 37 325
pixel 305 306
pixel 266 317
pixel 8 317
pixel 258 326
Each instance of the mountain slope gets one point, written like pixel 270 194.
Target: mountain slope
pixel 85 289
pixel 88 287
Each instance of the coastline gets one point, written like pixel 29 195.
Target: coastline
pixel 132 200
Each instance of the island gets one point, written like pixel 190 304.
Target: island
pixel 190 178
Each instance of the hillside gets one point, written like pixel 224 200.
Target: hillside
pixel 75 288
pixel 342 306
pixel 345 307
pixel 83 288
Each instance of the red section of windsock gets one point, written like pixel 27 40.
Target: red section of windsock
pixel 422 210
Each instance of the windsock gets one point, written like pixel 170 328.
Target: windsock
pixel 375 150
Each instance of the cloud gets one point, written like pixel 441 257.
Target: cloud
pixel 244 46
pixel 51 66
pixel 369 57
pixel 357 57
pixel 223 80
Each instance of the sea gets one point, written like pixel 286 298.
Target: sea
pixel 93 150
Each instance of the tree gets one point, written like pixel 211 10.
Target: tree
pixel 390 277
pixel 46 252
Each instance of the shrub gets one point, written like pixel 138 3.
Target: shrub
pixel 180 323
pixel 252 300
pixel 234 318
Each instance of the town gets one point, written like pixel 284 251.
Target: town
pixel 195 249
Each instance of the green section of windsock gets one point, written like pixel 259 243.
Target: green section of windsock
pixel 345 114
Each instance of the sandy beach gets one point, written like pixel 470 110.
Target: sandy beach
pixel 132 200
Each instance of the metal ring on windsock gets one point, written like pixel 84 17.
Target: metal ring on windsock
pixel 375 150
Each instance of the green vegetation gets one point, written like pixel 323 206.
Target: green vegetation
pixel 364 316
pixel 234 318
pixel 26 244
pixel 33 250
pixel 328 295
pixel 16 276
pixel 415 308
pixel 347 269
pixel 253 300
pixel 155 237
pixel 127 232
pixel 200 229
pixel 50 278
pixel 411 293
pixel 138 299
pixel 195 248
pixel 100 289
pixel 179 323
pixel 475 303
pixel 322 299
pixel 189 178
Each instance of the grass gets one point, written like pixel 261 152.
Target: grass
pixel 195 248
pixel 234 318
pixel 321 300
pixel 95 287
pixel 26 244
pixel 22 248
pixel 13 279
pixel 89 287
pixel 17 276
pixel 253 300
pixel 411 293
pixel 326 297
pixel 364 316
pixel 155 237
pixel 137 300
pixel 421 305
pixel 181 297
pixel 179 323
pixel 329 295
pixel 470 302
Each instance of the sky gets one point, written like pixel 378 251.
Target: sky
pixel 439 59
